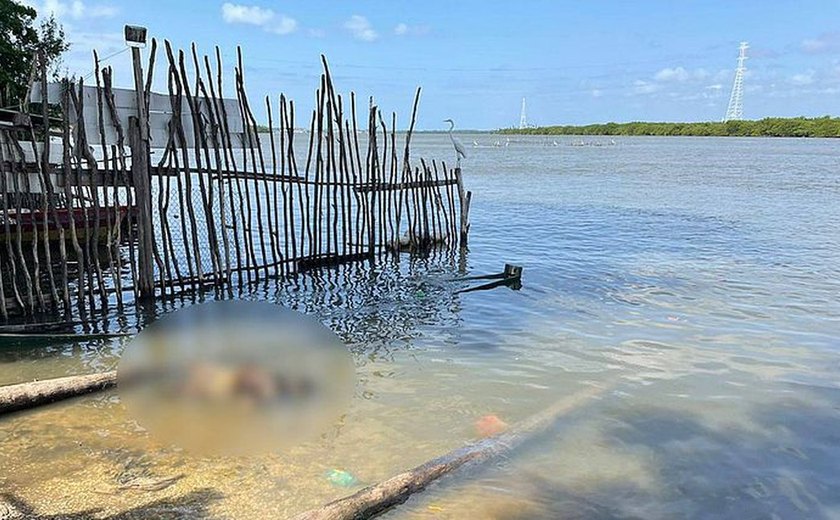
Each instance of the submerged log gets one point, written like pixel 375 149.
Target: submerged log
pixel 378 498
pixel 23 396
pixel 510 277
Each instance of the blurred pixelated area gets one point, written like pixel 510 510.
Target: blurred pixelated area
pixel 236 377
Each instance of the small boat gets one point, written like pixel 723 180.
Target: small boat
pixel 29 221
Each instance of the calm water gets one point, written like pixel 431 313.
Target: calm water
pixel 696 280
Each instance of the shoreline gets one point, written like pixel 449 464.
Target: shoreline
pixel 820 127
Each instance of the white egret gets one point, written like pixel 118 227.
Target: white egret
pixel 460 151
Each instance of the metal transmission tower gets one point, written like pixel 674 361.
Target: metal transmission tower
pixel 523 121
pixel 735 110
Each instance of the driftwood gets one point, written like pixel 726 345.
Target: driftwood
pixel 23 396
pixel 366 503
pixel 378 498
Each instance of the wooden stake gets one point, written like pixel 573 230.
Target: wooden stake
pixel 139 143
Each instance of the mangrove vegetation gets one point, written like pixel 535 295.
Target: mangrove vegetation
pixel 768 127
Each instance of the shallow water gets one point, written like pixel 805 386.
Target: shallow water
pixel 695 280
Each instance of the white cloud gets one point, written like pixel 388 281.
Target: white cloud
pixel 250 14
pixel 403 29
pixel 597 93
pixel 259 16
pixel 723 75
pixel 682 83
pixel 644 87
pixel 360 28
pixel 76 10
pixel 825 42
pixel 79 62
pixel 701 73
pixel 675 74
pixel 812 46
pixel 805 78
pixel 681 74
pixel 99 11
pixel 712 91
pixel 81 22
pixel 284 25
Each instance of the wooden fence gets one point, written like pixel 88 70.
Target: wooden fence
pixel 141 195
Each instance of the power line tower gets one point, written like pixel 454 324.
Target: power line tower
pixel 735 110
pixel 523 120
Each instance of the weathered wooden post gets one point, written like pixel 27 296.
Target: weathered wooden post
pixel 464 197
pixel 372 178
pixel 138 129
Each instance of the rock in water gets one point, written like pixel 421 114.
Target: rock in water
pixel 341 478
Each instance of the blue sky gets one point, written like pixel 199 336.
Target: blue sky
pixel 575 61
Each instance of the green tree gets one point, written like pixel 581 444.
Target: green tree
pixel 826 126
pixel 21 40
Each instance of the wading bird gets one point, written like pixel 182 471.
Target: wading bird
pixel 460 151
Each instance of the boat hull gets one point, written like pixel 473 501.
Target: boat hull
pixel 30 224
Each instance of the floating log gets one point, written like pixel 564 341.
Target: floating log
pixel 23 396
pixel 379 498
pixel 511 271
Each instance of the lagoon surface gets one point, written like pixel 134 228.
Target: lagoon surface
pixel 695 280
